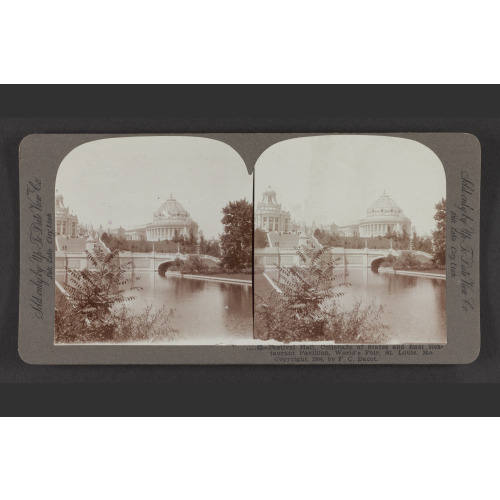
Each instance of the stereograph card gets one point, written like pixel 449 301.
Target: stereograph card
pixel 249 248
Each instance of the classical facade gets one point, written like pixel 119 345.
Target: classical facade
pixel 270 216
pixel 383 216
pixel 170 221
pixel 349 230
pixel 66 223
pixel 136 234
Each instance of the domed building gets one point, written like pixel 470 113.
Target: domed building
pixel 66 223
pixel 382 216
pixel 269 215
pixel 170 221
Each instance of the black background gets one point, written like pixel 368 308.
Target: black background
pixel 255 390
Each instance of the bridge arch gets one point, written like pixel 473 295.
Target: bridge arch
pixel 375 263
pixel 163 267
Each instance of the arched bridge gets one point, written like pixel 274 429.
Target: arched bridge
pixel 158 262
pixel 269 257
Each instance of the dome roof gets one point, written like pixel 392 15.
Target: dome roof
pixel 269 197
pixel 171 209
pixel 385 201
pixel 384 205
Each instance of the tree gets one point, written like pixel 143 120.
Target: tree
pixel 236 241
pixel 202 243
pixel 89 306
pixel 260 239
pixel 94 292
pixel 405 239
pixel 425 245
pixel 214 249
pixel 327 239
pixel 193 265
pixel 439 234
pixel 307 306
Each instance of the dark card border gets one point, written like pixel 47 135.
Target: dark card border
pixel 354 109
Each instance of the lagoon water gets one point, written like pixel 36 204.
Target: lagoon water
pixel 213 312
pixel 414 307
pixel 205 312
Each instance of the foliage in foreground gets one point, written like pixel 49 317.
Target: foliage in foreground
pixel 307 308
pixel 93 308
pixel 122 326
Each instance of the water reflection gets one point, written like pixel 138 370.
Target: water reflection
pixel 205 312
pixel 414 307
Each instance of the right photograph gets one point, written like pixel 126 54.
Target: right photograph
pixel 350 242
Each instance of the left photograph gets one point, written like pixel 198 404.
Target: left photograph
pixel 153 243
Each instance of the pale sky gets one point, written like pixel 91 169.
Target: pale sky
pixel 122 181
pixel 336 178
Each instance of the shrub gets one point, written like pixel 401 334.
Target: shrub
pixel 92 293
pixel 408 262
pixel 260 239
pixel 307 308
pixel 121 326
pixel 193 265
pixel 93 309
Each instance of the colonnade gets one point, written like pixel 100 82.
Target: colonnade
pixel 65 228
pixel 272 223
pixel 379 229
pixel 164 233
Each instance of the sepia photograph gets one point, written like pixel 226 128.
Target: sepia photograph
pixel 153 243
pixel 350 242
pixel 250 249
